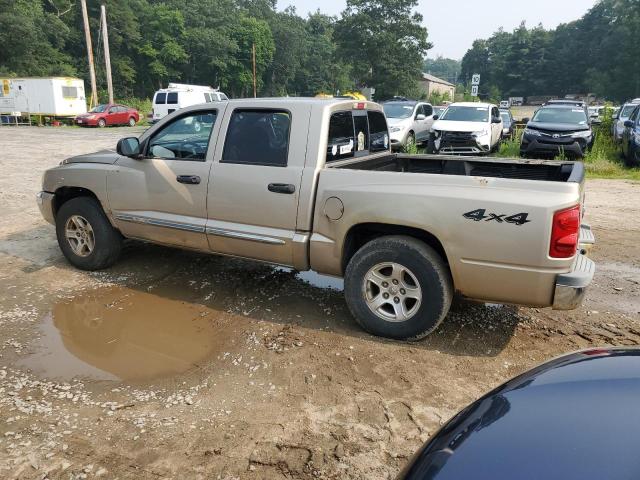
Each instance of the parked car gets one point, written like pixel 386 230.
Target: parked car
pixel 409 122
pixel 312 184
pixel 505 104
pixel 555 129
pixel 508 123
pixel 631 139
pixel 178 95
pixel 572 418
pixel 108 114
pixel 623 115
pixel 467 128
pixel 596 114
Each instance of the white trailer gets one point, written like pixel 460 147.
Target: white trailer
pixel 52 97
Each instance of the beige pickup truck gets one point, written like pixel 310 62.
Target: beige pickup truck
pixel 313 184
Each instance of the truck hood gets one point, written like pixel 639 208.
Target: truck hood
pixel 454 126
pixel 558 127
pixel 108 157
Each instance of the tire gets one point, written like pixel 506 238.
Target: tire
pixel 431 144
pixel 423 268
pixel 410 140
pixel 107 241
pixel 132 122
pixel 102 123
pixel 632 158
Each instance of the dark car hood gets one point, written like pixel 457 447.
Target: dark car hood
pixel 104 156
pixel 557 127
pixel 575 417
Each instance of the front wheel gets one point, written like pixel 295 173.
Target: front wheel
pixel 86 236
pixel 398 287
pixel 102 123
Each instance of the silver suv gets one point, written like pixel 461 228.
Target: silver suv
pixel 409 122
pixel 623 115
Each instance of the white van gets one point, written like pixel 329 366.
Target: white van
pixel 178 95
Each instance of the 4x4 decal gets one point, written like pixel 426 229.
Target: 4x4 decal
pixel 481 214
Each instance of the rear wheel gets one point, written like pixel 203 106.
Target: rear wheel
pixel 632 158
pixel 132 122
pixel 398 287
pixel 86 236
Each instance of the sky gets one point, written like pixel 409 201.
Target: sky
pixel 452 29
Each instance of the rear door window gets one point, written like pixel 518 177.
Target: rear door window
pixel 258 137
pixel 172 98
pixel 161 98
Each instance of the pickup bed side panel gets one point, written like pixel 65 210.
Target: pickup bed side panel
pixel 495 232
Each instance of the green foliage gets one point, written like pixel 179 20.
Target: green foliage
pixel 595 54
pixel 446 68
pixel 385 44
pixel 437 98
pixel 209 42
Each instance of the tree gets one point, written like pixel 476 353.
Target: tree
pixel 385 44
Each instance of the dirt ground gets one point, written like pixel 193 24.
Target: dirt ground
pixel 180 365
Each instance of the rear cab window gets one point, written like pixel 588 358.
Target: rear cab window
pixel 356 133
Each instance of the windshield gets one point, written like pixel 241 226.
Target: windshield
pixel 398 110
pixel 466 114
pixel 575 116
pixel 98 109
pixel 627 110
pixel 506 119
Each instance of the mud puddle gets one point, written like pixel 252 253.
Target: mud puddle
pixel 117 333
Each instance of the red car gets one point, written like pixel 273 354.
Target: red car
pixel 108 114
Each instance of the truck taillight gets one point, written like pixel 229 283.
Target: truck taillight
pixel 359 106
pixel 564 233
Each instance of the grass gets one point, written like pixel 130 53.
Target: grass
pixel 603 161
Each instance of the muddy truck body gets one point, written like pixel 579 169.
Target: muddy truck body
pixel 313 184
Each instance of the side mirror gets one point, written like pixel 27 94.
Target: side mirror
pixel 436 117
pixel 420 117
pixel 496 120
pixel 628 123
pixel 128 147
pixel 526 120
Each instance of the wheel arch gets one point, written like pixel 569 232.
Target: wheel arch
pixel 362 233
pixel 64 194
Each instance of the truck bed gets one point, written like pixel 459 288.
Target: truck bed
pixel 553 171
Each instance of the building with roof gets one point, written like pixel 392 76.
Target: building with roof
pixel 430 84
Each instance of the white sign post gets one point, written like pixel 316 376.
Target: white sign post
pixel 475 84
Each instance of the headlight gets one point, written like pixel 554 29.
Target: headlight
pixel 582 134
pixel 394 129
pixel 91 117
pixel 480 133
pixel 533 133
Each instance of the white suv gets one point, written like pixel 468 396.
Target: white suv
pixel 467 128
pixel 409 122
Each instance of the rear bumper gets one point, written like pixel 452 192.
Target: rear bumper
pixel 45 204
pixel 571 287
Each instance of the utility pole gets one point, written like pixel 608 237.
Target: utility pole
pixel 253 54
pixel 107 57
pixel 92 70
